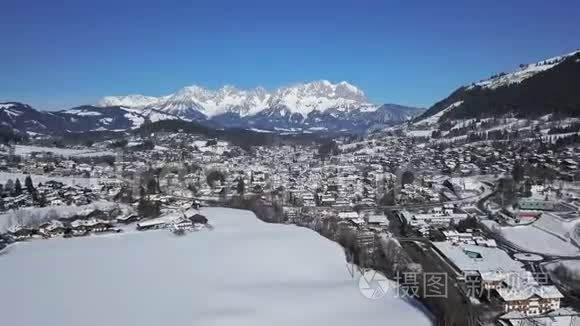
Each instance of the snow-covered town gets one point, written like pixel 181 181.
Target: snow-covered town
pixel 502 223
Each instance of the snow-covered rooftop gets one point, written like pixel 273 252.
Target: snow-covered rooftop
pixel 472 258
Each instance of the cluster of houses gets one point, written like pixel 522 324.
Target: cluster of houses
pixel 415 193
pixel 59 228
pixel 366 223
pixel 70 223
pixel 52 164
pixel 362 174
pixel 97 222
pixel 49 193
pixel 425 221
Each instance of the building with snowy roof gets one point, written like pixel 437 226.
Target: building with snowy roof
pixel 497 273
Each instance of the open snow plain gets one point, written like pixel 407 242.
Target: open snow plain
pixel 243 272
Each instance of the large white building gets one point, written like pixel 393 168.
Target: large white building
pixel 498 274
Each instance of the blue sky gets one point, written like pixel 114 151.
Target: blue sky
pixel 61 53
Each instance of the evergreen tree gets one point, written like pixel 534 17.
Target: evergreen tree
pixel 28 184
pixel 151 186
pixel 241 186
pixel 17 188
pixel 407 178
pixel 148 208
pixel 518 172
pixel 9 187
pixel 215 175
pixel 327 148
pixel 191 187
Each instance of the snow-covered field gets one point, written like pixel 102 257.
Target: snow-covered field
pixel 40 178
pixel 539 241
pixel 244 272
pixel 420 133
pixel 544 236
pixel 561 228
pixel 65 152
pixel 433 119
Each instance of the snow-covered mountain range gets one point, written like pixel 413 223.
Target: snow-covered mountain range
pixel 129 101
pixel 300 98
pixel 316 105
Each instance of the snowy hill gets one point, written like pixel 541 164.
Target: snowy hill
pixel 23 118
pixel 117 118
pixel 524 72
pixel 533 90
